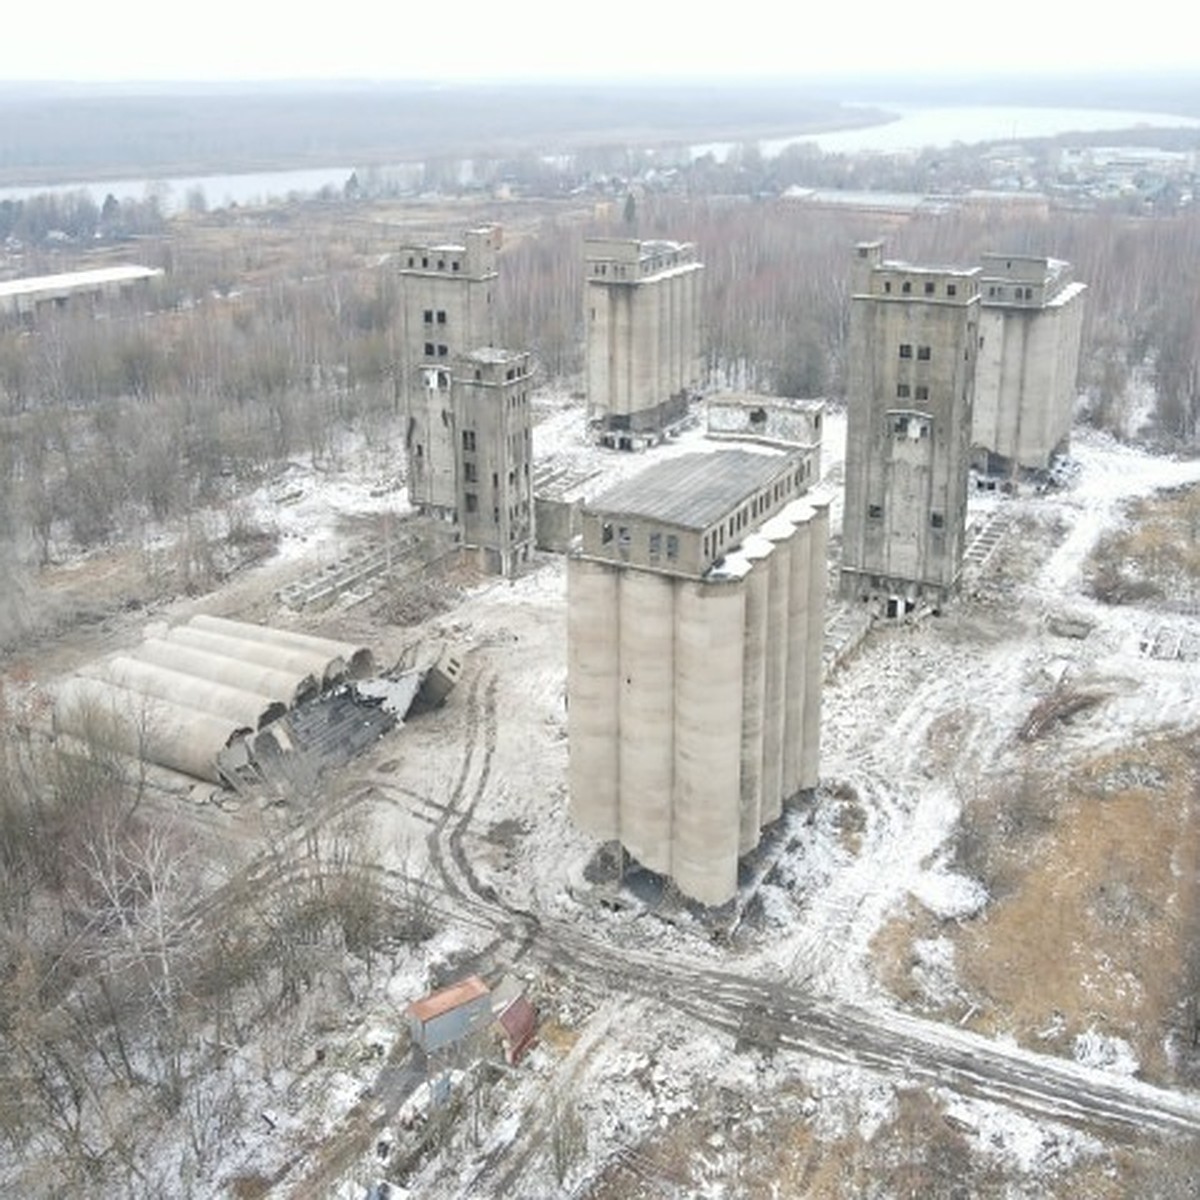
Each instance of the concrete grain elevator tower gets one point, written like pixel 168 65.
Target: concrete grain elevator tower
pixel 695 633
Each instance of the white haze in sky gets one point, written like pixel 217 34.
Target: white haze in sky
pixel 86 40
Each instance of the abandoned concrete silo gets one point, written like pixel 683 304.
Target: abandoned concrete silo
pixel 695 610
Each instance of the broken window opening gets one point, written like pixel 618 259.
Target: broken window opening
pixel 606 533
pixel 937 520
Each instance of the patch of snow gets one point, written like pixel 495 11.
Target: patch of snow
pixel 949 895
pixel 934 969
pixel 1016 1141
pixel 848 1100
pixel 1095 1049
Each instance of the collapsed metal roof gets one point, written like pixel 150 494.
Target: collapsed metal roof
pixel 196 699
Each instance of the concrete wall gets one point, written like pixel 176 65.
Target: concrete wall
pixel 770 421
pixel 1026 378
pixel 556 523
pixel 913 338
pixel 431 441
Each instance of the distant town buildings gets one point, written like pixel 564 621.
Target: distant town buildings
pixel 910 391
pixel 467 434
pixel 695 633
pixel 642 309
pixel 1030 323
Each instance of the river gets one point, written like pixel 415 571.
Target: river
pixel 914 128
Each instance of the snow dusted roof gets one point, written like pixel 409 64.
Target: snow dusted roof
pixel 72 280
pixel 694 490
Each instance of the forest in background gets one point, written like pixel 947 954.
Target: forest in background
pixel 270 337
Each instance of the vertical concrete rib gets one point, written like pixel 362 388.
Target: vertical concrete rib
pixel 781 532
pixel 593 719
pixel 796 685
pixel 646 689
pixel 710 619
pixel 757 550
pixel 818 582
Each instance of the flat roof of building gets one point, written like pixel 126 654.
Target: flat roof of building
pixel 72 280
pixel 455 996
pixel 494 354
pixel 891 264
pixel 694 490
pixel 758 400
pixel 605 249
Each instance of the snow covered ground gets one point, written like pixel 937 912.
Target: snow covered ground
pixel 913 725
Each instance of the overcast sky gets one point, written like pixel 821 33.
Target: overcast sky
pixel 85 40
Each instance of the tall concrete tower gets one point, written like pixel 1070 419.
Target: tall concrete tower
pixel 642 304
pixel 1030 322
pixel 494 452
pixel 448 297
pixel 695 627
pixel 910 391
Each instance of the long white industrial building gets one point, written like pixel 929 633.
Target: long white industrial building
pixel 695 626
pixel 23 297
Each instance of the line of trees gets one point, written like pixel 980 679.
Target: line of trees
pixel 75 216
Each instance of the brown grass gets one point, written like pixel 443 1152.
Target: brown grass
pixel 1157 556
pixel 1101 917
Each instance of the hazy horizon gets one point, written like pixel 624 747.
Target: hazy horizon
pixel 530 40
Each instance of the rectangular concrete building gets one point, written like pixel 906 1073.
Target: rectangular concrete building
pixel 910 393
pixel 1030 324
pixel 447 295
pixel 642 309
pixel 695 629
pixel 781 421
pixel 494 454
